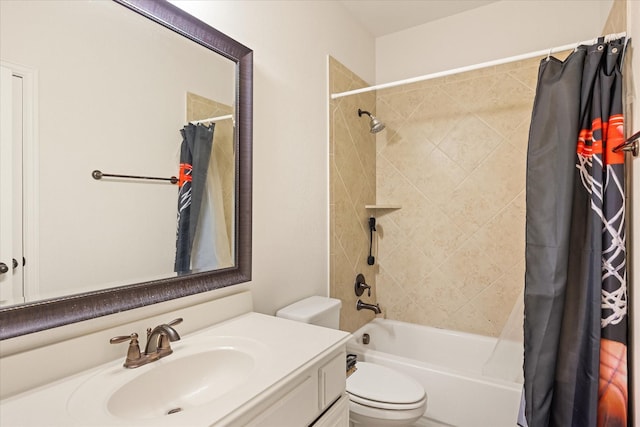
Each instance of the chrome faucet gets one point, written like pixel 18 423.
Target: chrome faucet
pixel 373 307
pixel 158 344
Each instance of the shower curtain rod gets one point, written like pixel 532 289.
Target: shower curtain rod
pixel 214 119
pixel 453 71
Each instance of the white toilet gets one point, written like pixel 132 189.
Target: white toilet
pixel 378 396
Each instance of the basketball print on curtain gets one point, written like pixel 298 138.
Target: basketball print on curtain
pixel 607 201
pixel 602 175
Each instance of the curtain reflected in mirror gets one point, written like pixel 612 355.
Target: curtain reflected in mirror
pixel 195 152
pixel 212 246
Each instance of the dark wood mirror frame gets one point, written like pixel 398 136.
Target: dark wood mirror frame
pixel 33 317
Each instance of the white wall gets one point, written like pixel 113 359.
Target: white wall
pixel 498 30
pixel 291 41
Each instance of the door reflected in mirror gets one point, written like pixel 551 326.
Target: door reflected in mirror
pixel 95 86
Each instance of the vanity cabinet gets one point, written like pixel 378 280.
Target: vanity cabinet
pixel 313 396
pixel 248 370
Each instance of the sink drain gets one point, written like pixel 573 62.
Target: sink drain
pixel 174 410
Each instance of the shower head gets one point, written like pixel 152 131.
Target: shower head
pixel 375 124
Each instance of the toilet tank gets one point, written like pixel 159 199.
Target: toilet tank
pixel 317 310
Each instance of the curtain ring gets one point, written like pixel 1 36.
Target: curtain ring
pixel 600 47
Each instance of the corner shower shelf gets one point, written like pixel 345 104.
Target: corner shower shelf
pixel 388 206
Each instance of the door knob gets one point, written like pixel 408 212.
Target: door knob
pixel 4 268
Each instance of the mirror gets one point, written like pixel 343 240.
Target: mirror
pixel 109 146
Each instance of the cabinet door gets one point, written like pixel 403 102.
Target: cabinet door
pixel 336 416
pixel 297 408
pixel 333 380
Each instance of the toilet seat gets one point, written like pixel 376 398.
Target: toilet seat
pixel 379 387
pixel 384 405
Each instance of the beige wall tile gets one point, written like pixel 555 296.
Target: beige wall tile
pixel 389 290
pixel 438 176
pixel 617 19
pixel 409 148
pixel 469 92
pixel 468 207
pixel 388 179
pixel 404 103
pixel 470 319
pixel 437 236
pixel 527 76
pixel 388 237
pixel 352 186
pixel 471 268
pixel 408 264
pixel 437 114
pixel 452 257
pixel 501 176
pixel 506 105
pixel 437 290
pixel 453 155
pixel 519 138
pixel 497 301
pixel 469 142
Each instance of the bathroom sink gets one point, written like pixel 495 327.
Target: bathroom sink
pixel 182 383
pixel 226 374
pixel 196 374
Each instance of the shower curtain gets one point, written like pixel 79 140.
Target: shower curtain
pixel 195 153
pixel 575 327
pixel 211 245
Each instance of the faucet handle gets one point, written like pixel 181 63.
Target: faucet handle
pixel 175 322
pixel 360 286
pixel 123 338
pixel 133 353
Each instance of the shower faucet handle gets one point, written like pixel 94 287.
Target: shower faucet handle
pixel 360 286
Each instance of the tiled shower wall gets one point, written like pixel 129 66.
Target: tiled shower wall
pixel 454 157
pixel 617 19
pixel 352 157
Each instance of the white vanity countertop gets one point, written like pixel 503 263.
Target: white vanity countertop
pixel 282 347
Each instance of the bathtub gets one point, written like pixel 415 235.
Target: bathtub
pixel 465 384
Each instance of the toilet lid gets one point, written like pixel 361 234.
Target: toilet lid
pixel 381 384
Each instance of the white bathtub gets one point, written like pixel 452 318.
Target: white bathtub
pixel 452 367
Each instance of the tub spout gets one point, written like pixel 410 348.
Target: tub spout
pixel 373 307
